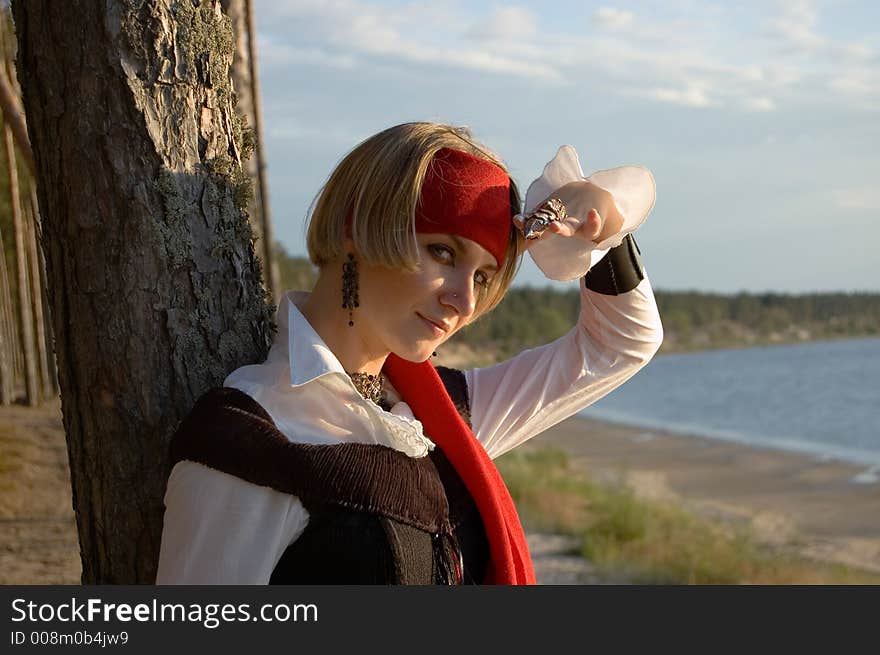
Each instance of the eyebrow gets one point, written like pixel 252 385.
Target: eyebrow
pixel 464 248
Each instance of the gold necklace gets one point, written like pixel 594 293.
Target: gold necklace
pixel 369 386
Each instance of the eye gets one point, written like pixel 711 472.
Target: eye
pixel 442 252
pixel 481 279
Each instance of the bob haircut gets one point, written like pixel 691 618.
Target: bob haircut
pixel 379 184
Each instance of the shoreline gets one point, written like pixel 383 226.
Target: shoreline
pixel 819 506
pixel 768 343
pixel 867 461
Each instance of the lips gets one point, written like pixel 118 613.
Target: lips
pixel 438 327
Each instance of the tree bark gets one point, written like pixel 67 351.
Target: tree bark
pixel 154 288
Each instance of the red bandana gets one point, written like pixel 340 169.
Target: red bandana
pixel 467 196
pixel 423 391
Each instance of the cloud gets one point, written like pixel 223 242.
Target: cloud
pixel 858 198
pixel 780 74
pixel 690 97
pixel 347 33
pixel 859 51
pixel 507 23
pixel 273 53
pixel 759 104
pixel 795 27
pixel 857 82
pixel 613 18
pixel 690 54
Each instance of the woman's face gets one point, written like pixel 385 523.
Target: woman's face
pixel 410 314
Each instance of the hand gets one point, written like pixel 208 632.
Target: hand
pixel 591 214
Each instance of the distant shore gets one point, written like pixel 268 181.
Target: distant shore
pixel 464 356
pixel 819 506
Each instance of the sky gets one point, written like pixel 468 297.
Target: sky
pixel 760 121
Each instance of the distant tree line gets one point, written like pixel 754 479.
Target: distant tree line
pixel 695 320
pixel 692 320
pixel 294 272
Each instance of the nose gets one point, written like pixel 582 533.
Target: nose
pixel 458 292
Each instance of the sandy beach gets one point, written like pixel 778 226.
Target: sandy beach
pixel 829 509
pixel 785 497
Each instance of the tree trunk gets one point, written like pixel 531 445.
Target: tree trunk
pixel 37 302
pixel 155 292
pixel 10 102
pixel 268 249
pixel 52 380
pixel 7 344
pixel 25 318
pixel 245 80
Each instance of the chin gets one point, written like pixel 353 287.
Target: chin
pixel 416 355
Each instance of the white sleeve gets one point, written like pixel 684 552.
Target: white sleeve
pixel 519 398
pixel 220 529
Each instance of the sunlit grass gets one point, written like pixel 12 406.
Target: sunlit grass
pixel 648 541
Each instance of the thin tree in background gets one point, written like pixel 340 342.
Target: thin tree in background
pixel 7 342
pixel 51 382
pixel 36 295
pixel 27 351
pixel 10 104
pixel 155 291
pixel 25 317
pixel 246 82
pixel 260 154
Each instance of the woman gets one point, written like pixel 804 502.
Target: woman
pixel 346 456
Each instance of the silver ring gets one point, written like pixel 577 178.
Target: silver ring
pixel 549 211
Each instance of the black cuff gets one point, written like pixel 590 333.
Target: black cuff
pixel 619 271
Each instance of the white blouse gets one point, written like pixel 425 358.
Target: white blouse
pixel 220 529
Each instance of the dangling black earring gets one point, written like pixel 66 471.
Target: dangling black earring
pixel 350 287
pixel 434 354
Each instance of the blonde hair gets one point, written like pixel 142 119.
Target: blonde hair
pixel 379 185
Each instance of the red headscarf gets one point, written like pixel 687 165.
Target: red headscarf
pixel 470 197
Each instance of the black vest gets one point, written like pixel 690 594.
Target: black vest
pixel 376 515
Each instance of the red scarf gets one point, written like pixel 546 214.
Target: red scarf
pixel 422 389
pixel 469 196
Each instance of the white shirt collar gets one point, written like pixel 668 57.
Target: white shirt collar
pixel 309 357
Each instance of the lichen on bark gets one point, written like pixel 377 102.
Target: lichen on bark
pixel 183 70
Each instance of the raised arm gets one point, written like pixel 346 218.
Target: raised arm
pixel 617 333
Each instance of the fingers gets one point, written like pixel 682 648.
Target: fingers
pixel 593 224
pixel 590 229
pixel 562 228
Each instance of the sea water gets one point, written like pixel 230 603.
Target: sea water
pixel 819 398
